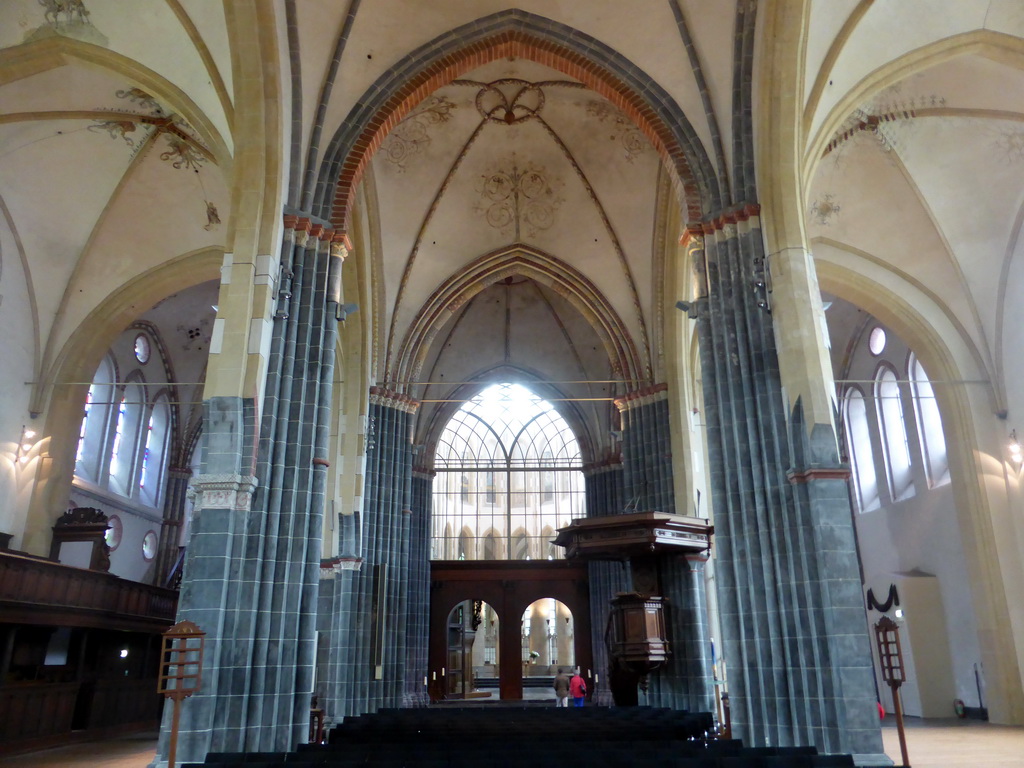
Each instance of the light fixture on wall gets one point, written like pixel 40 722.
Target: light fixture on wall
pixel 689 307
pixel 24 443
pixel 1015 450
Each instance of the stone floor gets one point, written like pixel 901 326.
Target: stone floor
pixel 956 743
pixel 931 744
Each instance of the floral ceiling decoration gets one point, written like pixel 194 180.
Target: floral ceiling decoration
pixel 411 136
pixel 507 101
pixel 825 208
pixel 889 119
pixel 518 201
pixel 621 128
pixel 146 120
pixel 1009 142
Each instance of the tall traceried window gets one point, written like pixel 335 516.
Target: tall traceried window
pixel 929 425
pixel 862 460
pixel 893 430
pixel 94 431
pixel 126 430
pixel 154 448
pixel 509 471
pixel 127 438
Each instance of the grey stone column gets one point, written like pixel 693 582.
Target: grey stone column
pixel 418 628
pixel 606 579
pixel 605 496
pixel 647 450
pixel 253 572
pixel 175 496
pixel 685 682
pixel 386 592
pixel 603 485
pixel 335 621
pixel 363 581
pixel 211 594
pixel 798 667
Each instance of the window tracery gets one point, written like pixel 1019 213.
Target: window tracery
pixel 929 425
pixel 862 460
pixel 893 430
pixel 509 472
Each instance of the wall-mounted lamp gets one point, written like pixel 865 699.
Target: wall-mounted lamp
pixel 690 308
pixel 24 444
pixel 1016 456
pixel 762 285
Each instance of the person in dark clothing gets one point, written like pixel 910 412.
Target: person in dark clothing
pixel 561 686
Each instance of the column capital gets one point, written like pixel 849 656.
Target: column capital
pixel 329 569
pixel 387 397
pixel 222 491
pixel 800 477
pixel 642 396
pixel 341 246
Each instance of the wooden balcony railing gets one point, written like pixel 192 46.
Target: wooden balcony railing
pixel 38 591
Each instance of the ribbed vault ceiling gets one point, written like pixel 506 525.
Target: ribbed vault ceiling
pixel 118 129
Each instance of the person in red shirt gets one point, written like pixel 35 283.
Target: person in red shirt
pixel 577 689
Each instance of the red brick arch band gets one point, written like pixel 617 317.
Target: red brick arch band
pixel 521 35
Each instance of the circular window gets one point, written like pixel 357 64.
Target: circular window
pixel 114 531
pixel 876 341
pixel 149 545
pixel 142 348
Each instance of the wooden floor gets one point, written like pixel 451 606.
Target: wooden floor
pixel 956 743
pixel 931 744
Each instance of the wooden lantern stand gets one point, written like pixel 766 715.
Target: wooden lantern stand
pixel 890 655
pixel 181 672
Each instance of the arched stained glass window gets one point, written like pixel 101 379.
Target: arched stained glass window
pixel 929 425
pixel 94 431
pixel 126 446
pixel 509 471
pixel 153 464
pixel 89 397
pixel 862 460
pixel 893 428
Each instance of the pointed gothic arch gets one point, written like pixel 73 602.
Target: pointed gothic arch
pixel 517 33
pixel 994 45
pixel 532 263
pixel 949 355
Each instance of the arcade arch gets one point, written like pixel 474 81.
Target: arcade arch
pixel 965 401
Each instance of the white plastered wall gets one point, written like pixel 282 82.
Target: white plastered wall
pixel 19 354
pixel 983 494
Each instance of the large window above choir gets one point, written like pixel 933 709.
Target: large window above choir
pixel 508 475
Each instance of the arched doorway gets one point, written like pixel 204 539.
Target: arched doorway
pixel 509 589
pixel 548 635
pixel 471 637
